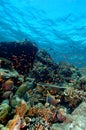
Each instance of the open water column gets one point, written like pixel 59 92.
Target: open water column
pixel 42 64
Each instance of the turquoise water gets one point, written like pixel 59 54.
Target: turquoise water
pixel 59 26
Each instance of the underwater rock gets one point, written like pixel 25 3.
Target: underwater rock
pixel 21 54
pixel 80 110
pixel 75 121
pixel 78 118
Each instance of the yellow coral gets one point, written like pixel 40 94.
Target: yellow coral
pixel 12 123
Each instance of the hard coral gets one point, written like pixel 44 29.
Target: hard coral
pixel 74 96
pixel 49 114
pixel 43 112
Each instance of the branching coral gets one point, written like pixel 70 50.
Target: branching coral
pixel 74 96
pixel 49 114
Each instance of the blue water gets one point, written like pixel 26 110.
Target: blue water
pixel 59 26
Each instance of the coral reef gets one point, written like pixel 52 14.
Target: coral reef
pixel 45 70
pixel 38 94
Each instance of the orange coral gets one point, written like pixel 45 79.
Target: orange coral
pixel 42 112
pixel 12 123
pixel 22 109
pixel 20 112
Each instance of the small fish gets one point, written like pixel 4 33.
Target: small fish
pixel 51 99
